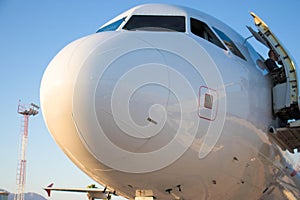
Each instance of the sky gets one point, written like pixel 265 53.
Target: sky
pixel 32 32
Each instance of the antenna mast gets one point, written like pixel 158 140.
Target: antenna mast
pixel 26 112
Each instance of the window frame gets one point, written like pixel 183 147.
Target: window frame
pixel 208 32
pixel 231 46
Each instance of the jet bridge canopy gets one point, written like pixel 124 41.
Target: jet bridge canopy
pixel 286 103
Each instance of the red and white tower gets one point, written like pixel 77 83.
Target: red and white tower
pixel 26 112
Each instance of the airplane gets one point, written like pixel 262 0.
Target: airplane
pixel 167 102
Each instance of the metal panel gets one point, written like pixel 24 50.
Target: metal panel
pixel 208 103
pixel 280 98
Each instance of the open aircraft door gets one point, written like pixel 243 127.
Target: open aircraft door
pixel 286 90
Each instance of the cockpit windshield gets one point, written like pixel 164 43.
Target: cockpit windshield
pixel 156 23
pixel 113 26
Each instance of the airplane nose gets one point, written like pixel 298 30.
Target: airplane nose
pixel 128 96
pixel 57 85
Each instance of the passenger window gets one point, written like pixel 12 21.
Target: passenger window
pixel 113 26
pixel 229 43
pixel 202 30
pixel 156 23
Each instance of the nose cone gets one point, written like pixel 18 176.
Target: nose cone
pixel 127 96
pixel 57 86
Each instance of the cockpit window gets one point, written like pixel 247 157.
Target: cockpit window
pixel 202 30
pixel 156 23
pixel 229 43
pixel 112 27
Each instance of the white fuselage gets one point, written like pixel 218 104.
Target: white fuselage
pixel 158 110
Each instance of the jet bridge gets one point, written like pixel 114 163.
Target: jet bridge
pixel 286 100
